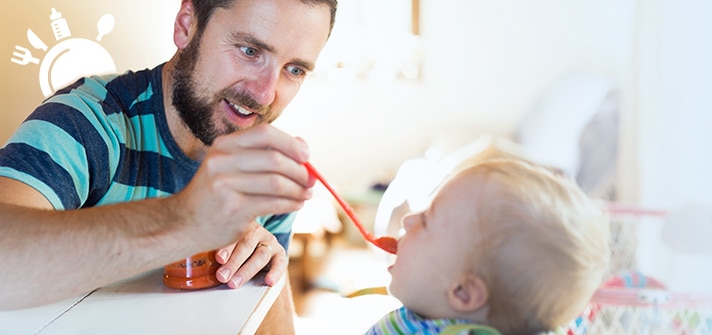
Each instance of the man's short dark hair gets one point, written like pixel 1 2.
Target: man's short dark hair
pixel 204 9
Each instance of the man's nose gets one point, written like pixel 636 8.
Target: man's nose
pixel 263 86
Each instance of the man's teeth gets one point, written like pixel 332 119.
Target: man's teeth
pixel 240 110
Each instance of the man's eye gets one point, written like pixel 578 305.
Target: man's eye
pixel 248 51
pixel 296 71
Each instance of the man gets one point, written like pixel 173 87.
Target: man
pixel 117 175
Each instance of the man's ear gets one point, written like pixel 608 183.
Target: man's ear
pixel 184 25
pixel 468 294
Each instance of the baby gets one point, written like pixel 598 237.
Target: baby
pixel 505 247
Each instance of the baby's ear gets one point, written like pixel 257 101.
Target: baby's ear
pixel 468 294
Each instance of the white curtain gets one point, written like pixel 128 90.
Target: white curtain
pixel 667 130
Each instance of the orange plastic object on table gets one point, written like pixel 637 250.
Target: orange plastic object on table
pixel 193 273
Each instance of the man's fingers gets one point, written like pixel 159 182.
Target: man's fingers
pixel 276 271
pixel 251 162
pixel 266 137
pixel 258 260
pixel 265 184
pixel 222 255
pixel 257 249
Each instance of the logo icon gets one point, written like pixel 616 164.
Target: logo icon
pixel 70 58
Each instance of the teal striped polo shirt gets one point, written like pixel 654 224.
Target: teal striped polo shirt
pixel 104 140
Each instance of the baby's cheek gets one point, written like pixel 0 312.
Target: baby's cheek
pixel 404 289
pixel 400 277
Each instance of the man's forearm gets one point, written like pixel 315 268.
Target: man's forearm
pixel 49 255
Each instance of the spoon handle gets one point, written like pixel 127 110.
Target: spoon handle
pixel 344 205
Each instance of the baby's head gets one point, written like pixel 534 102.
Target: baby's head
pixel 504 243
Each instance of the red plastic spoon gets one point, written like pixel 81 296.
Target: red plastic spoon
pixel 387 243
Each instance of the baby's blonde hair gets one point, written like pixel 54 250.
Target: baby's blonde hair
pixel 543 246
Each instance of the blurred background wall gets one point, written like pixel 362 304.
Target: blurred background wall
pixel 484 66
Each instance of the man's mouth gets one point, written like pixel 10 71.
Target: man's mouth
pixel 240 115
pixel 239 110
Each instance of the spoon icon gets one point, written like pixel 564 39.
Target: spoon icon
pixel 105 25
pixel 387 243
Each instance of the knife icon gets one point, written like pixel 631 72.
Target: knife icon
pixel 35 40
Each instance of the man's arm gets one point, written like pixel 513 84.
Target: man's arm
pixel 49 255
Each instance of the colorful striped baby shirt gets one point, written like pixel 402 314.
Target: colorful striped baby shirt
pixel 403 321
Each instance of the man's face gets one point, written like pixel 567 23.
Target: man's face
pixel 247 65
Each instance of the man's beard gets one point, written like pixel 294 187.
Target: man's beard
pixel 197 112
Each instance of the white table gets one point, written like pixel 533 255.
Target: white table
pixel 141 305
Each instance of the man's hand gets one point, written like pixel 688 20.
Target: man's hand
pixel 244 175
pixel 256 250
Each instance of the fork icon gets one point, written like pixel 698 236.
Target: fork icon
pixel 24 57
